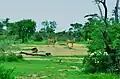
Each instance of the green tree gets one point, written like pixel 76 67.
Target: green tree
pixel 1 28
pixel 116 11
pixel 49 28
pixel 62 36
pixel 3 24
pixel 88 28
pixel 70 33
pixel 77 31
pixel 105 36
pixel 37 36
pixel 43 33
pixel 25 29
pixel 12 29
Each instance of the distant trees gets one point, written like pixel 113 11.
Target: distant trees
pixel 38 36
pixel 49 28
pixel 62 36
pixel 1 28
pixel 26 30
pixel 23 29
pixel 77 28
pixel 3 24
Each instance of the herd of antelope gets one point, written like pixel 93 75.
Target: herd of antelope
pixel 53 42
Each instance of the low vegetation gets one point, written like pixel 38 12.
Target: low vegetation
pixel 6 73
pixel 51 68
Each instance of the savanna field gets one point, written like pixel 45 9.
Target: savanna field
pixel 64 63
pixel 73 39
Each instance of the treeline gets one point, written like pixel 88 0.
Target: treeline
pixel 25 30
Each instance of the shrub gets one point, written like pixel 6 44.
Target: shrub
pixel 2 57
pixel 10 57
pixel 4 47
pixel 100 63
pixel 105 38
pixel 37 37
pixel 6 73
pixel 19 57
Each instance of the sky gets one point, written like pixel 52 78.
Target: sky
pixel 64 12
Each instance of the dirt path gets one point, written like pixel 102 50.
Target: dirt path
pixel 59 50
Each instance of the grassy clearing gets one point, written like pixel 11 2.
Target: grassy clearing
pixel 68 68
pixel 58 50
pixel 37 43
pixel 32 66
pixel 51 67
pixel 58 42
pixel 83 42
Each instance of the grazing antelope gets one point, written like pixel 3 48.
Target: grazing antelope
pixel 51 41
pixel 71 42
pixel 89 41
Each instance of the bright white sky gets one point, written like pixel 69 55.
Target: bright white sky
pixel 64 12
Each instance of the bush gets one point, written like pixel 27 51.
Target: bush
pixel 2 57
pixel 4 47
pixel 37 37
pixel 19 57
pixel 10 57
pixel 6 73
pixel 100 63
pixel 105 38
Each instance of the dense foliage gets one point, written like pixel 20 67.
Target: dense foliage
pixel 6 73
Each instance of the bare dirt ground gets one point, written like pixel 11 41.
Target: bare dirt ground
pixel 58 50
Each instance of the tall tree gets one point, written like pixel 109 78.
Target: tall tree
pixel 26 28
pixel 116 11
pixel 49 27
pixel 103 2
pixel 99 7
pixel 104 31
pixel 77 31
pixel 70 33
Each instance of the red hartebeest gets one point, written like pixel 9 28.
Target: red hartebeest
pixel 51 41
pixel 89 41
pixel 70 42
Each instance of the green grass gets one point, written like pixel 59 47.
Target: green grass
pixel 52 69
pixel 37 42
pixel 32 42
pixel 83 42
pixel 26 67
pixel 44 42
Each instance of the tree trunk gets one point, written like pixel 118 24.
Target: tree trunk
pixel 86 36
pixel 104 33
pixel 23 39
pixel 116 12
pixel 105 7
pixel 100 10
pixel 108 49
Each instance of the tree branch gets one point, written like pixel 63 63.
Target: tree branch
pixel 105 7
